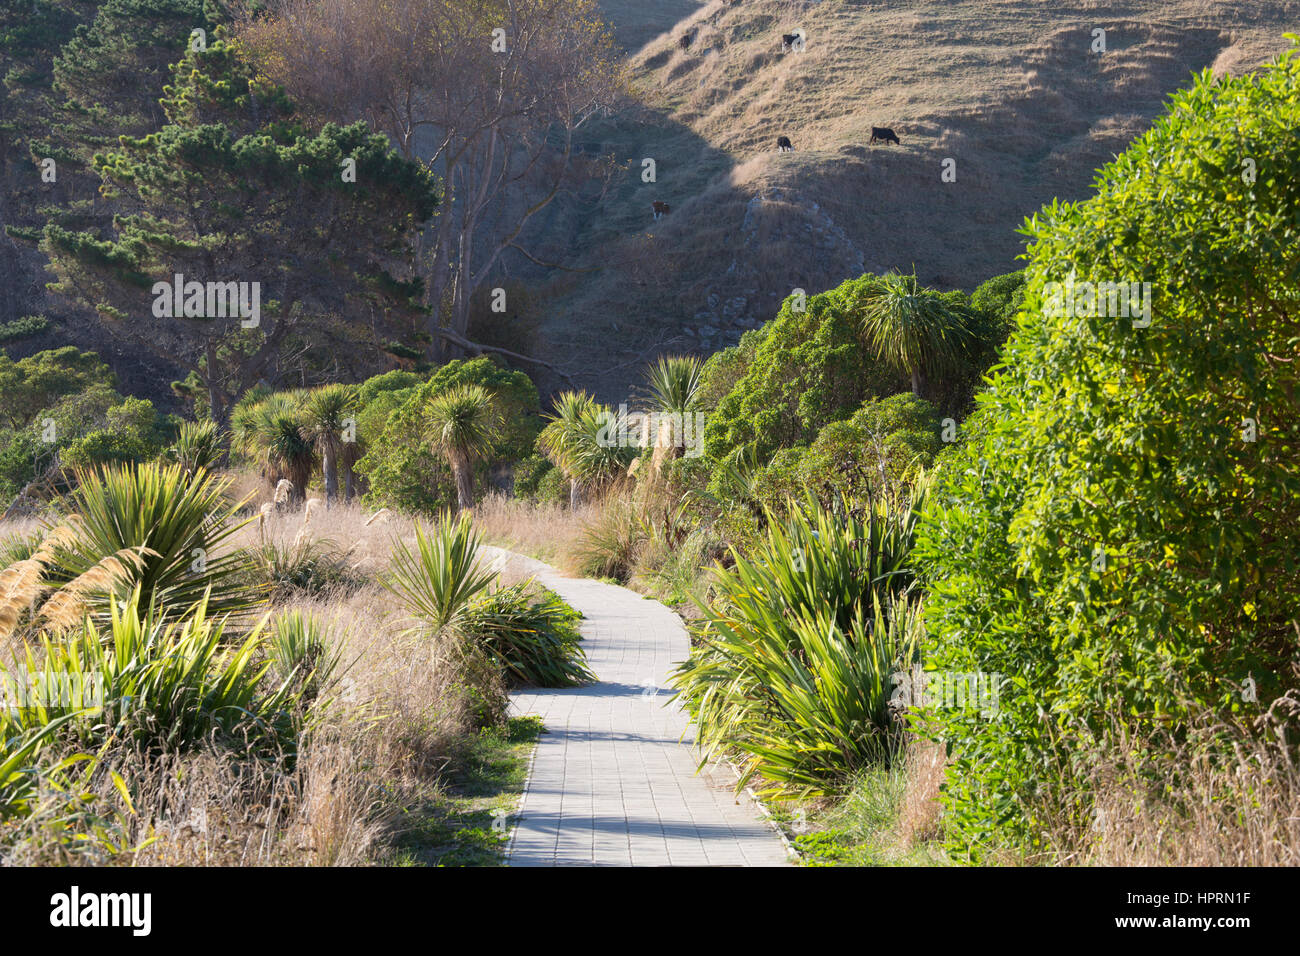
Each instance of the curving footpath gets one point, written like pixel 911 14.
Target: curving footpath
pixel 613 781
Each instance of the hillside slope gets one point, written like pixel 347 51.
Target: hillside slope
pixel 1010 90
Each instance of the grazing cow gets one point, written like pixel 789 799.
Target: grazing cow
pixel 885 134
pixel 661 209
pixel 783 145
pixel 788 40
pixel 685 41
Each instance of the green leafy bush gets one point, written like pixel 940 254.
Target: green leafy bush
pixel 881 449
pixel 1123 540
pixel 23 328
pixel 810 368
pixel 534 636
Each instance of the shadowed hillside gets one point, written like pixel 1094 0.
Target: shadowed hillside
pixel 1010 90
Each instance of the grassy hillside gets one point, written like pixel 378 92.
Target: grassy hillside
pixel 637 22
pixel 1008 89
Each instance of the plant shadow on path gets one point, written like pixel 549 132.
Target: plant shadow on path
pixel 468 822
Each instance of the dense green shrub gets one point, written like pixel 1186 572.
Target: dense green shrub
pixel 33 384
pixel 403 467
pixel 397 380
pixel 879 450
pixel 533 634
pixel 23 328
pixel 534 477
pixel 133 432
pixel 62 408
pixel 810 368
pixel 1123 540
pixel 1000 299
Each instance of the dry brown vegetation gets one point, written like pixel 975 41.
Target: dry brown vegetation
pixel 1207 805
pixel 402 714
pixel 1008 88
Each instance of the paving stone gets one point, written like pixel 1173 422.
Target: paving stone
pixel 613 781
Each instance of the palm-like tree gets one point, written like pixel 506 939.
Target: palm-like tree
pixel 463 424
pixel 578 439
pixel 675 383
pixel 325 412
pixel 912 329
pixel 197 446
pixel 280 441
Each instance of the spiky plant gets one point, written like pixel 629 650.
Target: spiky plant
pixel 912 329
pixel 280 442
pixel 463 425
pixel 795 656
pixel 534 636
pixel 198 445
pixel 674 383
pixel 324 414
pixel 179 525
pixel 305 652
pixel 579 439
pixel 441 576
pixel 161 682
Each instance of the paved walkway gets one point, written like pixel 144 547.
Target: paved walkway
pixel 613 782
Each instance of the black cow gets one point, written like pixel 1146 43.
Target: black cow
pixel 885 134
pixel 788 40
pixel 660 208
pixel 783 145
pixel 685 41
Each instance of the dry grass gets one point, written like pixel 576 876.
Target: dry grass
pixel 1007 88
pixel 402 712
pixel 546 532
pixel 1226 795
pixel 919 808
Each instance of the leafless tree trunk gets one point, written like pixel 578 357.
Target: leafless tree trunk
pixel 493 113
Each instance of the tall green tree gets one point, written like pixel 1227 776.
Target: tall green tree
pixel 463 423
pixel 913 329
pixel 235 190
pixel 577 441
pixel 328 413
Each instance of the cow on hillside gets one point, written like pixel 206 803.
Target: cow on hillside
pixel 783 145
pixel 661 209
pixel 885 134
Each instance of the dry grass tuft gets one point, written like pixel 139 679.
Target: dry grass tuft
pixel 547 532
pixel 1225 795
pixel 919 808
